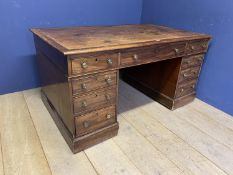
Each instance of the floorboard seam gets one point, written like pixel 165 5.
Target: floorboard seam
pixel 125 118
pixel 205 133
pixel 3 168
pixel 37 133
pixel 212 118
pixel 128 157
pixel 91 163
pixel 187 142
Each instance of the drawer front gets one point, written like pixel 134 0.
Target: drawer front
pixel 95 120
pixel 93 82
pixel 94 100
pixel 195 47
pixel 186 88
pixel 92 63
pixel 191 61
pixel 144 55
pixel 189 74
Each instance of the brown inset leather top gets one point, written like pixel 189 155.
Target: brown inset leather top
pixel 74 40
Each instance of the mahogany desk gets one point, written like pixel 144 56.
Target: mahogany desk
pixel 79 70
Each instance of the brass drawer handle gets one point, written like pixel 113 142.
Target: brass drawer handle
pixel 84 86
pixel 177 51
pixel 109 61
pixel 135 57
pixel 193 47
pixel 86 124
pixel 84 65
pixel 108 97
pixel 84 104
pixel 109 116
pixel 108 80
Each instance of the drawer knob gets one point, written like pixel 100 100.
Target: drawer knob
pixel 84 104
pixel 193 47
pixel 86 124
pixel 182 90
pixel 204 46
pixel 186 75
pixel 84 65
pixel 109 116
pixel 176 50
pixel 135 57
pixel 84 86
pixel 109 61
pixel 199 58
pixel 193 86
pixel 109 80
pixel 108 97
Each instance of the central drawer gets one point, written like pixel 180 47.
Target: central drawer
pixel 149 54
pixel 94 100
pixel 95 120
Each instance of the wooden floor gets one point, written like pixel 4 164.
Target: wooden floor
pixel 196 139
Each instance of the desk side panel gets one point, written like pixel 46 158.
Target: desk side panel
pixel 55 83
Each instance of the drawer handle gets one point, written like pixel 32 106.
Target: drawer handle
pixel 135 57
pixel 193 47
pixel 182 90
pixel 109 61
pixel 188 75
pixel 177 50
pixel 84 104
pixel 84 86
pixel 199 58
pixel 108 80
pixel 84 65
pixel 108 97
pixel 86 124
pixel 193 86
pixel 109 116
pixel 188 62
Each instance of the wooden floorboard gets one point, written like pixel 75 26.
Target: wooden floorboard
pixel 108 159
pixel 142 153
pixel 194 140
pixel 207 125
pixel 219 154
pixel 213 113
pixel 21 149
pixel 178 151
pixel 61 160
pixel 1 160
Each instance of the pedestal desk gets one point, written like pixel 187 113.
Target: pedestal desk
pixel 79 69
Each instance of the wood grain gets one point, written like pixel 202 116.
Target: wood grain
pixel 91 39
pixel 141 152
pixel 219 154
pixel 108 159
pixel 60 158
pixel 21 148
pixel 1 160
pixel 213 113
pixel 178 151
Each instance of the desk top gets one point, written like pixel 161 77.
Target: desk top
pixel 75 40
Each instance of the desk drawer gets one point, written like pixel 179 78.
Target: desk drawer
pixel 186 88
pixel 189 74
pixel 95 120
pixel 199 46
pixel 93 82
pixel 94 100
pixel 191 61
pixel 144 55
pixel 93 62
